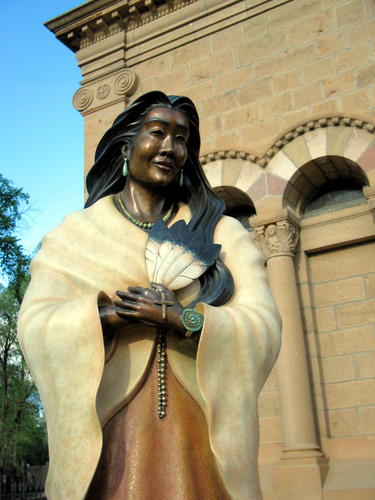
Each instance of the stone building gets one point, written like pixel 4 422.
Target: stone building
pixel 285 90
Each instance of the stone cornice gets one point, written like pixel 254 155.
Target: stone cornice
pixel 312 124
pixel 97 20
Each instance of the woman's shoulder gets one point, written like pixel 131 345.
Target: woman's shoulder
pixel 82 220
pixel 230 225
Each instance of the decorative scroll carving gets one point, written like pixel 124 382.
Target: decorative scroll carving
pixel 126 82
pixel 336 121
pixel 103 93
pixel 82 99
pixel 279 238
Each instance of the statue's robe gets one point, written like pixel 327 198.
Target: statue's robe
pixel 80 266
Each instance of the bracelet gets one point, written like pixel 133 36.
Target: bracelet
pixel 192 321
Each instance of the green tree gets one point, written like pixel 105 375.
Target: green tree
pixel 22 427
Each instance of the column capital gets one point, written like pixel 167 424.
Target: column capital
pixel 117 87
pixel 276 235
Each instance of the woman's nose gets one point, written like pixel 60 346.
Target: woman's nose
pixel 168 146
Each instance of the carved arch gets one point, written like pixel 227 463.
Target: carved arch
pixel 276 173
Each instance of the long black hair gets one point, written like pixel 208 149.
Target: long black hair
pixel 105 177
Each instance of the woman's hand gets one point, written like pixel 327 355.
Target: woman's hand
pixel 157 306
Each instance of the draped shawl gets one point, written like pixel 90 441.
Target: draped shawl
pixel 80 265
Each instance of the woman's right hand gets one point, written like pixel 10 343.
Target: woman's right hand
pixel 110 320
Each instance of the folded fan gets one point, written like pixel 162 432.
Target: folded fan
pixel 176 256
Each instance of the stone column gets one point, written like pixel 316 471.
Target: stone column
pixel 277 239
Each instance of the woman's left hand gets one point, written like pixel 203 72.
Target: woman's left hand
pixel 157 305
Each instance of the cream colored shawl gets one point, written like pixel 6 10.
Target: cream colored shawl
pixel 81 264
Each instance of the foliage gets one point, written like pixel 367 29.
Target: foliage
pixel 13 263
pixel 22 427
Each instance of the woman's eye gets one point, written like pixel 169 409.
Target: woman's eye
pixel 181 138
pixel 157 132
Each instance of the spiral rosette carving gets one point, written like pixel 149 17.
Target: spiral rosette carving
pixel 82 99
pixel 103 91
pixel 126 82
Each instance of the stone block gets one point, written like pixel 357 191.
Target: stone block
pixel 299 154
pixel 213 66
pixel 232 168
pixel 365 364
pixel 155 66
pixel 318 70
pixel 226 38
pixel 282 166
pixel 211 127
pixel 350 394
pixel 350 13
pixel 365 75
pixel 261 48
pixel 331 44
pixel 285 61
pixel 359 142
pixel 346 341
pixel 343 262
pixel 172 82
pixel 367 419
pixel 325 319
pixel 200 91
pixel 294 118
pixel 230 140
pixel 233 80
pixel 309 29
pixel 258 190
pixel 351 58
pixel 255 26
pixel 291 12
pixel 307 95
pixel 337 369
pixel 336 292
pixel 259 135
pixel 338 140
pixel 254 92
pixel 356 313
pixel 270 429
pixel 93 126
pixel 343 422
pixel 329 107
pixel 240 117
pixel 339 84
pixel 370 285
pixel 269 404
pixel 219 104
pixel 361 33
pixel 191 52
pixel 286 81
pixel 276 105
pixel 298 479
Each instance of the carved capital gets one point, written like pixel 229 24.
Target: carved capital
pixel 278 236
pixel 105 92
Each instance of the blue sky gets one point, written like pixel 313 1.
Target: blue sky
pixel 41 136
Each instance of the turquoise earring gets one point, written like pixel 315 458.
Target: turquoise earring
pixel 125 168
pixel 181 181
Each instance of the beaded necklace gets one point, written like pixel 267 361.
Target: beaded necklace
pixel 144 225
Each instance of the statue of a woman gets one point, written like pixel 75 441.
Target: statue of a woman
pixel 149 326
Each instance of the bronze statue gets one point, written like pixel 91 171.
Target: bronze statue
pixel 149 326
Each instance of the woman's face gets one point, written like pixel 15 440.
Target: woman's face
pixel 159 151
